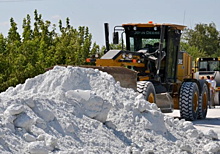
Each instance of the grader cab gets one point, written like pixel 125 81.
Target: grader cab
pixel 152 65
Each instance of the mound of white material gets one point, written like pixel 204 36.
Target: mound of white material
pixel 77 110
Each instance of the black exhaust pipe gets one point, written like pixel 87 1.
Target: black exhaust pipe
pixel 106 37
pixel 162 32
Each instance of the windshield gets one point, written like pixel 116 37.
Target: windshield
pixel 143 38
pixel 209 66
pixel 149 44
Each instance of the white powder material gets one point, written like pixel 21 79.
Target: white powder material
pixel 78 110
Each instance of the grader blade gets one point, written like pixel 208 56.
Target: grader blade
pixel 165 102
pixel 126 77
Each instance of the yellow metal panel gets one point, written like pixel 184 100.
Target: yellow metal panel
pixel 144 78
pixel 196 65
pixel 180 27
pixel 189 66
pixel 175 95
pixel 106 62
pixel 185 65
pixel 180 72
pixel 111 62
pixel 176 102
pixel 185 69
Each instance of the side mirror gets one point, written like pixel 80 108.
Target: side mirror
pixel 115 38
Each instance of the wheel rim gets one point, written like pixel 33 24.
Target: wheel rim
pixel 151 98
pixel 195 102
pixel 204 103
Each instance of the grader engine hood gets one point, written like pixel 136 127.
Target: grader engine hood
pixel 127 58
pixel 121 58
pixel 112 54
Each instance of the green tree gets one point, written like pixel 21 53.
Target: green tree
pixel 192 50
pixel 95 50
pixel 205 38
pixel 3 61
pixel 117 46
pixel 12 52
pixel 29 54
pixel 2 44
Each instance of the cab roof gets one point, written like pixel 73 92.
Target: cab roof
pixel 180 27
pixel 208 59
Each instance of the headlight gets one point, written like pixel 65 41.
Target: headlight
pixel 130 55
pixel 96 55
pixel 123 55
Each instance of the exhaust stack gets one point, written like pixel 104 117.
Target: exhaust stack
pixel 106 26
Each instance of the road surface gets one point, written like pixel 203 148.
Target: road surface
pixel 212 120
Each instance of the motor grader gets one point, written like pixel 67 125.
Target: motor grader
pixel 209 67
pixel 152 65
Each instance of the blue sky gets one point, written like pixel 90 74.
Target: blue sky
pixel 94 13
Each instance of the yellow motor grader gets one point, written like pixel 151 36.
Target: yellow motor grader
pixel 209 67
pixel 152 65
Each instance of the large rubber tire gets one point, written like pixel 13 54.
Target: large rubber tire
pixel 203 102
pixel 188 102
pixel 147 89
pixel 219 98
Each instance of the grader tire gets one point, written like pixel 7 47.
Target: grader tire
pixel 147 89
pixel 188 103
pixel 219 98
pixel 203 103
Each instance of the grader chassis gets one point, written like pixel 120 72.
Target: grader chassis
pixel 152 65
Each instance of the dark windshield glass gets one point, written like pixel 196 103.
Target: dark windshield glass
pixel 144 38
pixel 209 66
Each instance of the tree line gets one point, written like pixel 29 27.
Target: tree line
pixel 29 54
pixel 202 41
pixel 40 46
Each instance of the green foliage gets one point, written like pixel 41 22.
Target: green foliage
pixel 202 41
pixel 150 41
pixel 29 54
pixel 192 50
pixel 41 46
pixel 117 46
